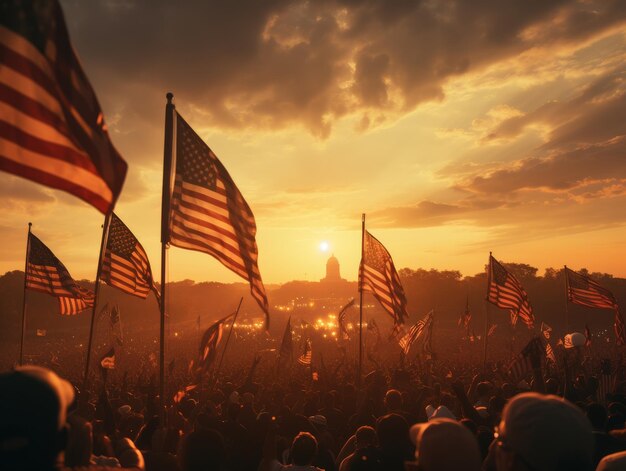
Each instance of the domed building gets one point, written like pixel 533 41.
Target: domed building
pixel 332 270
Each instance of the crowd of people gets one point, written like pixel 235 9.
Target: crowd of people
pixel 264 415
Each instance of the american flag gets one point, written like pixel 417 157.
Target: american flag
pixel 415 332
pixel 606 382
pixel 507 293
pixel 568 341
pixel 209 343
pixel 209 214
pixel 492 330
pixel 584 291
pixel 52 130
pixel 46 273
pixel 307 355
pixel 523 364
pixel 125 264
pixel 427 346
pixel 377 274
pixel 341 319
pixel 466 317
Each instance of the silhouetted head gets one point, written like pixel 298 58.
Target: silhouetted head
pixel 365 437
pixel 201 450
pixel 393 433
pixel 393 400
pixel 445 445
pixel 33 408
pixel 303 449
pixel 543 433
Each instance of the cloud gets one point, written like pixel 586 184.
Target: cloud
pixel 573 181
pixel 276 64
pixel 19 195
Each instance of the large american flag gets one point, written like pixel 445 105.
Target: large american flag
pixel 125 264
pixel 46 273
pixel 378 275
pixel 52 130
pixel 209 214
pixel 507 293
pixel 415 332
pixel 584 291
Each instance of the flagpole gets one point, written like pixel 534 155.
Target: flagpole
pixel 232 325
pixel 103 242
pixel 358 378
pixel 566 299
pixel 165 207
pixel 486 308
pixel 24 297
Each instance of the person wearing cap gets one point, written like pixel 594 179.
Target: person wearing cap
pixel 444 445
pixel 33 422
pixel 542 433
pixel 33 407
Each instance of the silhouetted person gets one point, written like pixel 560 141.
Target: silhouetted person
pixel 202 450
pixel 33 405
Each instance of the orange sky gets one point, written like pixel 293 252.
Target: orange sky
pixel 458 127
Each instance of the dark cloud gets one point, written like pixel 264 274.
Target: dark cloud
pixel 274 64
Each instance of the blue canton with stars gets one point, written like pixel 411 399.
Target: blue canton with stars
pixel 194 162
pixel 121 241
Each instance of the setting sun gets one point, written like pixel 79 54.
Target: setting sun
pixel 324 246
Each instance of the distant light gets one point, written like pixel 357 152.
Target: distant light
pixel 324 246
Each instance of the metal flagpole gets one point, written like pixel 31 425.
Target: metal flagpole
pixel 358 378
pixel 24 298
pixel 103 243
pixel 232 325
pixel 165 236
pixel 566 299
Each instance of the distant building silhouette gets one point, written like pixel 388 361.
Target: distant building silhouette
pixel 332 271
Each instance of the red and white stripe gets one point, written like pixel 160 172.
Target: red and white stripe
pixel 511 295
pixel 51 126
pixel 218 222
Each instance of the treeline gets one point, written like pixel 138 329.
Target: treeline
pixel 444 291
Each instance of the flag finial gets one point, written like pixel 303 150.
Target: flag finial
pixel 169 97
